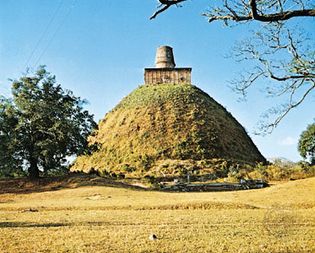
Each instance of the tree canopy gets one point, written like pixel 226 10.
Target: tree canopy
pixel 42 125
pixel 307 143
pixel 9 162
pixel 280 50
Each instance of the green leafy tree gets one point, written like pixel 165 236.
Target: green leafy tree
pixel 307 143
pixel 42 125
pixel 9 162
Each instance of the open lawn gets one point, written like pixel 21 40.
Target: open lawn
pixel 280 218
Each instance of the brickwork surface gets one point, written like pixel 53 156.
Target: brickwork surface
pixel 167 75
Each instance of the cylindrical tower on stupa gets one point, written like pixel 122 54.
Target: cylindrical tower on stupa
pixel 164 57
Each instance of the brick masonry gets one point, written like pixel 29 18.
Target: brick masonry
pixel 153 76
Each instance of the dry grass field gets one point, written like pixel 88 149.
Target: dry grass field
pixel 280 218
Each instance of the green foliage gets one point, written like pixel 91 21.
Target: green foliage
pixel 127 168
pixel 10 162
pixel 145 161
pixel 307 143
pixel 277 171
pixel 42 125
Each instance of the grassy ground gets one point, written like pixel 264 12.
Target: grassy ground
pixel 280 218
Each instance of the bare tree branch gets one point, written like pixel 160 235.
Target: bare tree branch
pixel 165 4
pixel 279 56
pixel 281 16
pixel 268 128
pixel 282 55
pixel 254 14
pixel 285 78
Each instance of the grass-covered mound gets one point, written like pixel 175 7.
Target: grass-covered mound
pixel 157 126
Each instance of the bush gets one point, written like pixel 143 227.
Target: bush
pixel 278 171
pixel 12 174
pixel 127 168
pixel 146 161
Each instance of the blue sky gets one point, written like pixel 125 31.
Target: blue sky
pixel 99 48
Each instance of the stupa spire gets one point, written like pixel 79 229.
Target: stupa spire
pixel 164 71
pixel 164 57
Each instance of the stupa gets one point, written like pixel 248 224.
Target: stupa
pixel 167 121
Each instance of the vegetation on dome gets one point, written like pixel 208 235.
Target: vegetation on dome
pixel 157 128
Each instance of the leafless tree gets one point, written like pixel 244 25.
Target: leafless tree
pixel 280 47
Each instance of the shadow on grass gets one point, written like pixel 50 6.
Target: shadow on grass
pixel 31 225
pixel 56 225
pixel 25 185
pixel 44 184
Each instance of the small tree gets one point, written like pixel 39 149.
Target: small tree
pixel 307 143
pixel 42 125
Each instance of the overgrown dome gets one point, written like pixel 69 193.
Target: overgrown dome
pixel 162 122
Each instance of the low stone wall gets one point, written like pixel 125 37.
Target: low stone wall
pixel 153 76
